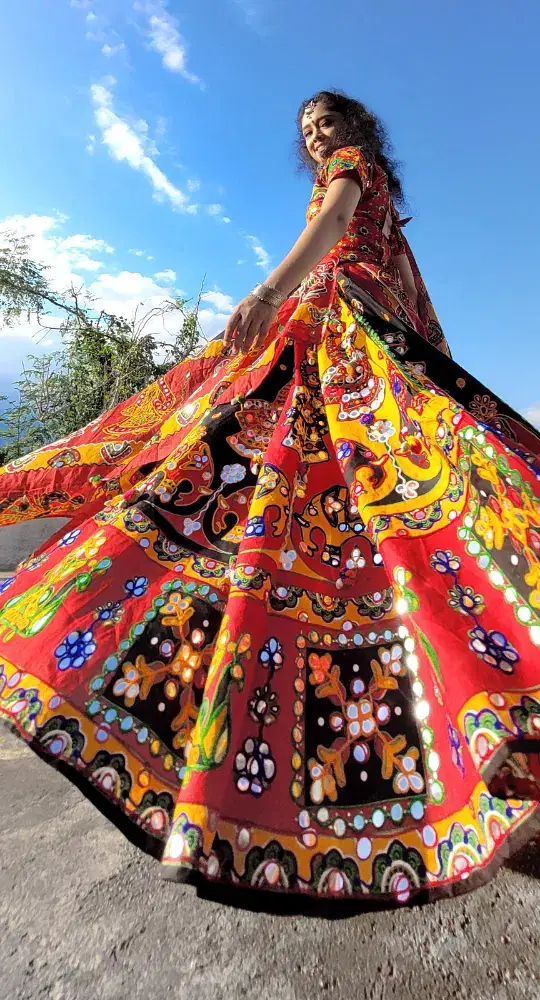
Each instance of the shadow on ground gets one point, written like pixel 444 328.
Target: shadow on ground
pixel 82 913
pixel 527 862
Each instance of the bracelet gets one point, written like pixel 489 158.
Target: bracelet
pixel 272 296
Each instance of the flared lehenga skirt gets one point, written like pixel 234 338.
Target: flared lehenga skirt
pixel 291 639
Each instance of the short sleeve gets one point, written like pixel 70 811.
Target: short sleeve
pixel 346 161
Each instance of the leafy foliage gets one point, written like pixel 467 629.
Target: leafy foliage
pixel 104 358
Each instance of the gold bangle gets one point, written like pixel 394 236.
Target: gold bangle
pixel 272 296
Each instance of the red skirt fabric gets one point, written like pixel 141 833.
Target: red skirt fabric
pixel 290 640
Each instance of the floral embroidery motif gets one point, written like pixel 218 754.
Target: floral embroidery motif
pixel 254 764
pixel 491 646
pixel 75 650
pixel 363 714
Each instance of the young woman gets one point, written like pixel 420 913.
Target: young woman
pixel 290 639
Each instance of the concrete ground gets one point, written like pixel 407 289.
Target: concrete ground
pixel 84 914
pixel 18 541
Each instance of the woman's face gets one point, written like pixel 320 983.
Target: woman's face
pixel 320 128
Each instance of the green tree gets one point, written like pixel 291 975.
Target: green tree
pixel 23 284
pixel 104 358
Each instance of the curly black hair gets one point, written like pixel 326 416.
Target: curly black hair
pixel 360 127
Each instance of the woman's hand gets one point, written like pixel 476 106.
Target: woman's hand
pixel 248 325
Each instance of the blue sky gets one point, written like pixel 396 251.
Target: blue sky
pixel 167 129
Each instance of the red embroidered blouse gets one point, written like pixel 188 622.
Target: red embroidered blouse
pixel 373 241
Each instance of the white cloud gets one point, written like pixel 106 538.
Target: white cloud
pixel 63 256
pixel 216 307
pixel 68 258
pixel 212 323
pixel 30 328
pixel 81 241
pixel 264 261
pixel 129 144
pixel 225 218
pixel 193 185
pixel 166 39
pixel 532 414
pixel 221 302
pixel 130 293
pixel 112 50
pixel 165 277
pixel 127 292
pixel 91 144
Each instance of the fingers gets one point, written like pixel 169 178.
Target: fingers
pixel 246 328
pixel 246 335
pixel 258 333
pixel 230 329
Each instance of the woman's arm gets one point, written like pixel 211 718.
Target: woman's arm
pixel 252 318
pixel 319 236
pixel 407 277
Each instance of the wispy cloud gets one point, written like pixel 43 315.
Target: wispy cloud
pixel 164 37
pixel 128 140
pixel 86 243
pixel 264 261
pixel 161 129
pixel 217 212
pixel 99 29
pixel 141 253
pixel 130 145
pixel 165 277
pixel 253 14
pixel 112 50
